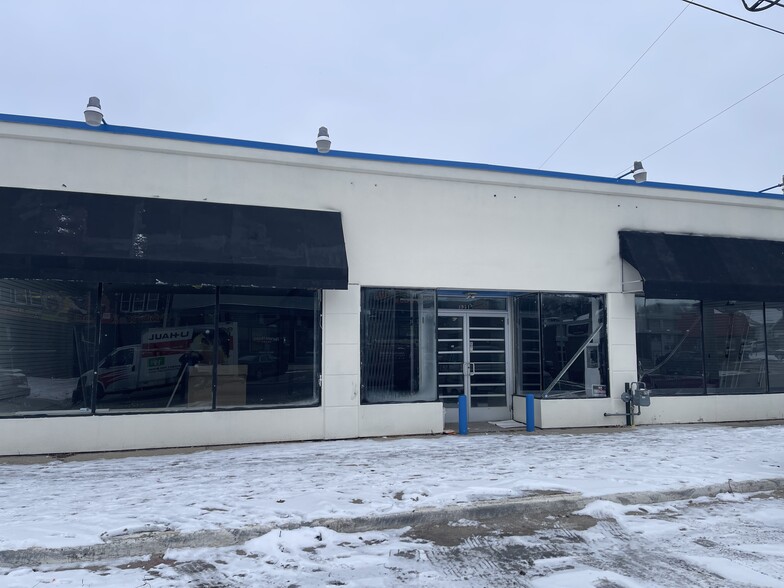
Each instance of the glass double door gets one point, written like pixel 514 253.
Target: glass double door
pixel 473 359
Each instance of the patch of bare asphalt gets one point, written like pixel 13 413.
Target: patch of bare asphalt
pixel 453 533
pixel 155 560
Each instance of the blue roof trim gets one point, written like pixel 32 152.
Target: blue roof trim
pixel 139 132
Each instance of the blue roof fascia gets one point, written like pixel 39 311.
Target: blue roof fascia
pixel 139 132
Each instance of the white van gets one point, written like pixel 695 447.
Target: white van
pixel 157 360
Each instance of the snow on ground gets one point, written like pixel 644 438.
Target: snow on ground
pixel 729 541
pixel 52 388
pixel 77 502
pixel 304 557
pixel 700 544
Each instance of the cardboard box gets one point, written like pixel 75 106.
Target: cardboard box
pixel 232 385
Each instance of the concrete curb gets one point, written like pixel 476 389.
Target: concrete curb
pixel 537 504
pixel 160 541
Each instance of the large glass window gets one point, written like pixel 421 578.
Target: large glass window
pixel 276 348
pixel 398 345
pixel 160 350
pixel 156 356
pixel 669 346
pixel 561 345
pixel 734 335
pixel 157 347
pixel 774 330
pixel 714 347
pixel 528 343
pixel 573 345
pixel 46 342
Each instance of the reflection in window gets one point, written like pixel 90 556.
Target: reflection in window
pixel 669 346
pixel 472 301
pixel 275 354
pixel 156 359
pixel 568 321
pixel 20 296
pixel 125 302
pixel 152 301
pixel 157 347
pixel 734 347
pixel 138 303
pixel 398 345
pixel 774 325
pixel 44 348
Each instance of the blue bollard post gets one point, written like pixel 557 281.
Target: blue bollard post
pixel 462 415
pixel 530 417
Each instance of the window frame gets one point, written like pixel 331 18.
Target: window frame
pixel 422 362
pixel 705 390
pixel 602 349
pixel 97 312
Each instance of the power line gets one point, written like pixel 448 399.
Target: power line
pixel 703 123
pixel 751 22
pixel 562 143
pixel 760 5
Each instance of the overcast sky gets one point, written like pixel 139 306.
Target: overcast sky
pixel 493 81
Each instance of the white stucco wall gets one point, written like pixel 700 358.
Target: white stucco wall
pixel 105 432
pixel 405 225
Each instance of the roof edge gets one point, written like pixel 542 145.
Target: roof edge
pixel 175 136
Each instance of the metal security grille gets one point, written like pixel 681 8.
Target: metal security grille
pixel 378 366
pixel 391 344
pixel 472 359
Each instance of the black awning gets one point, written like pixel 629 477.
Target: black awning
pixel 46 234
pixel 700 267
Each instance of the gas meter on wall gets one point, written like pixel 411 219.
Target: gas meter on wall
pixel 637 393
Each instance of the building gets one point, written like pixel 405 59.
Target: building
pixel 163 290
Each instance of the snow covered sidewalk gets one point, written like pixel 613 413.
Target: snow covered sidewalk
pixel 78 503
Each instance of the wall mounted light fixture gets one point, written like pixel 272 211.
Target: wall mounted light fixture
pixel 637 172
pixel 92 114
pixel 322 141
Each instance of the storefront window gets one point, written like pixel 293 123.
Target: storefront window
pixel 573 346
pixel 275 355
pixel 157 347
pixel 529 349
pixel 774 326
pixel 718 347
pixel 734 347
pixel 669 346
pixel 398 345
pixel 46 342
